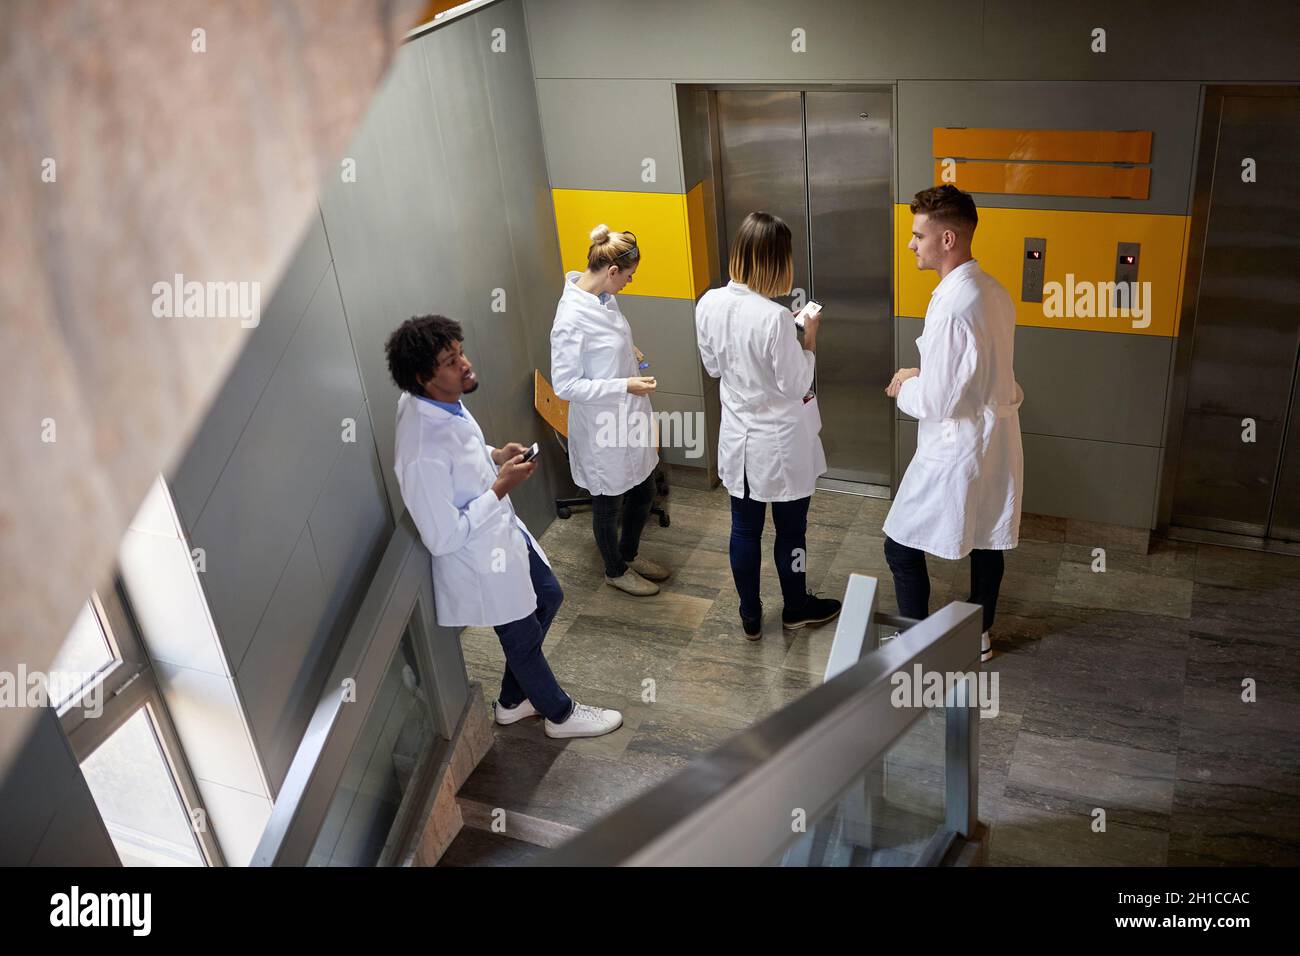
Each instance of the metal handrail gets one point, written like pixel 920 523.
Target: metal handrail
pixel 734 806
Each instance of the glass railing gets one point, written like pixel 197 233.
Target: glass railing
pixel 362 780
pixel 876 767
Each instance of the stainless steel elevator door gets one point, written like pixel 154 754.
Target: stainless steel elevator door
pixel 1247 333
pixel 850 161
pixel 761 143
pixel 816 161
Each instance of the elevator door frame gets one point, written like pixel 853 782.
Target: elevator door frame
pixel 721 245
pixel 1207 132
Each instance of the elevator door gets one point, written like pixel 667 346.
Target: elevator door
pixel 822 162
pixel 1246 340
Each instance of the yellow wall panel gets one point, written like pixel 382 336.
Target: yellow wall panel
pixel 659 221
pixel 1045 145
pixel 1079 243
pixel 1048 179
pixel 698 239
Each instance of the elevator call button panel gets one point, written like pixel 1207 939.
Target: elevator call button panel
pixel 1031 283
pixel 1126 272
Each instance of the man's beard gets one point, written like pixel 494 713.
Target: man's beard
pixel 469 388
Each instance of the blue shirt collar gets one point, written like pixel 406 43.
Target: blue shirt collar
pixel 456 408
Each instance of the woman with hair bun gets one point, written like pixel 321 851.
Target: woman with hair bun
pixel 612 448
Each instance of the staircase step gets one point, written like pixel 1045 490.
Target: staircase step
pixel 522 827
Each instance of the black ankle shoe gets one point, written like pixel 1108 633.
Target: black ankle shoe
pixel 816 610
pixel 753 625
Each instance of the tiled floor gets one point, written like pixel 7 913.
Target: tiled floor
pixel 1120 691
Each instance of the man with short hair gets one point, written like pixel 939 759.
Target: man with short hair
pixel 488 570
pixel 962 491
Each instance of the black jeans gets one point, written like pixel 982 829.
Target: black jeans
pixel 616 549
pixel 912 580
pixel 527 672
pixel 790 552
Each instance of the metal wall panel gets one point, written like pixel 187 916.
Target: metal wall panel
pixel 1168 110
pixel 1246 336
pixel 761 137
pixel 862 40
pixel 265 494
pixel 1105 482
pixel 49 816
pixel 690 408
pixel 307 273
pixel 1093 385
pixel 450 204
pixel 850 159
pixel 664 329
pixel 598 134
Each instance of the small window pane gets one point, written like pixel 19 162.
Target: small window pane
pixel 137 797
pixel 85 651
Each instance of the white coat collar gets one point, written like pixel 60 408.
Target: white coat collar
pixel 739 288
pixel 956 277
pixel 581 297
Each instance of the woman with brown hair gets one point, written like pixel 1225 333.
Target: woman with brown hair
pixel 768 446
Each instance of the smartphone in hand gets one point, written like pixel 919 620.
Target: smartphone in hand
pixel 811 308
pixel 531 453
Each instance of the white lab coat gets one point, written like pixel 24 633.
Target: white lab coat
pixel 480 561
pixel 767 432
pixel 612 441
pixel 963 488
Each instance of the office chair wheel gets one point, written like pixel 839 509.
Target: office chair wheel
pixel 563 512
pixel 664 520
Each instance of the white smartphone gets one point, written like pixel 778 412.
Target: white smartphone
pixel 532 452
pixel 811 308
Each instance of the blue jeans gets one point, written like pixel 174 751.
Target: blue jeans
pixel 791 520
pixel 912 580
pixel 527 673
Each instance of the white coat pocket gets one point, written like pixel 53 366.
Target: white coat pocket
pixel 812 416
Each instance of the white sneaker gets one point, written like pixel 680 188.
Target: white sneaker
pixel 586 721
pixel 509 715
pixel 986 648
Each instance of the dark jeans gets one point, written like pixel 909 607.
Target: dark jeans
pixel 615 549
pixel 791 520
pixel 912 580
pixel 527 673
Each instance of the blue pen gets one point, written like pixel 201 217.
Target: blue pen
pixel 644 365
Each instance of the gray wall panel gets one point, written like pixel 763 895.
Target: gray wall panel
pixel 268 487
pixel 47 814
pixel 1169 110
pixel 350 522
pixel 1100 386
pixel 395 249
pixel 878 39
pixel 462 201
pixel 531 219
pixel 598 134
pixel 688 40
pixel 1093 481
pixel 693 121
pixel 280 677
pixel 664 329
pixel 194 479
pixel 1160 40
pixel 1106 482
pixel 690 408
